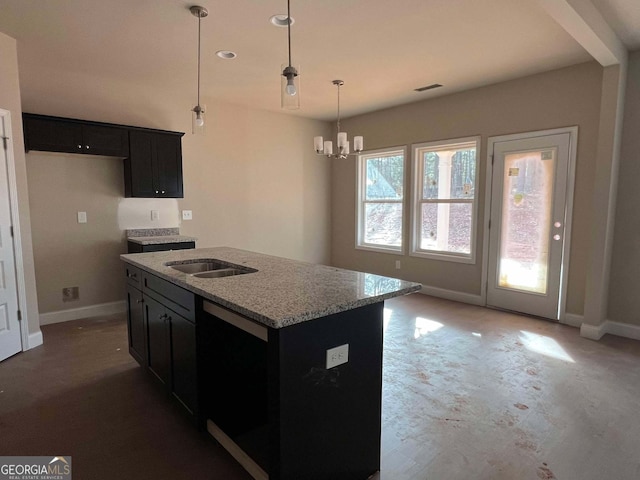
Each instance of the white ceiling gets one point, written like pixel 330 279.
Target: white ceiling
pixel 382 49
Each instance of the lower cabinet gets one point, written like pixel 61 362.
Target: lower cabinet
pixel 136 325
pixel 162 340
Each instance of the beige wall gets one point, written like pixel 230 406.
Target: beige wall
pixel 565 97
pixel 68 253
pixel 624 288
pixel 252 182
pixel 10 100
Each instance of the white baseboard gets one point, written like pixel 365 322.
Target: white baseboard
pixel 572 319
pixel 452 295
pixel 34 340
pixel 595 332
pixel 83 312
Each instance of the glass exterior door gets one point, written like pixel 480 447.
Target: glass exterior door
pixel 527 224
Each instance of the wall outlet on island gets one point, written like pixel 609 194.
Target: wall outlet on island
pixel 187 214
pixel 155 215
pixel 337 355
pixel 398 264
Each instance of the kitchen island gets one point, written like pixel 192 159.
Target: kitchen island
pixel 280 360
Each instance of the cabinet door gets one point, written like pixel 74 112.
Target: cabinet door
pixel 184 366
pixel 101 140
pixel 139 165
pixel 52 135
pixel 159 353
pixel 136 325
pixel 168 166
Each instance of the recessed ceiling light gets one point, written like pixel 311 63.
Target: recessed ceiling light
pixel 281 20
pixel 226 54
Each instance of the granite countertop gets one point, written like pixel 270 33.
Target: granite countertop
pixel 157 236
pixel 159 239
pixel 282 292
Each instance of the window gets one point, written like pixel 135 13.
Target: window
pixel 380 198
pixel 445 199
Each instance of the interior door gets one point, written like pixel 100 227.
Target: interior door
pixel 527 229
pixel 10 336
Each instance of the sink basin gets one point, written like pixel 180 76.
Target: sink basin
pixel 209 268
pixel 196 267
pixel 223 272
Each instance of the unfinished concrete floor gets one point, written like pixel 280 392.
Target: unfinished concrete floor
pixel 469 393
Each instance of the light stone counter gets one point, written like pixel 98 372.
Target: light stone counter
pixel 161 239
pixel 282 292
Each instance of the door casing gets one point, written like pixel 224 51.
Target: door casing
pixel 573 142
pixel 6 131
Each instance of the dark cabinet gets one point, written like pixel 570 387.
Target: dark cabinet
pixel 153 158
pixel 158 343
pixel 154 166
pixel 53 134
pixel 133 247
pixel 172 352
pixel 136 325
pixel 162 334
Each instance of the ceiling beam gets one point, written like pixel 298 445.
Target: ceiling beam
pixel 582 20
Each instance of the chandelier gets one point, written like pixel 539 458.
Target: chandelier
pixel 325 147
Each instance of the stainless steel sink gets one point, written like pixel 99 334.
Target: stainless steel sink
pixel 196 267
pixel 209 268
pixel 223 272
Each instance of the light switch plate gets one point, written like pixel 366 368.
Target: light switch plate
pixel 82 217
pixel 337 355
pixel 187 214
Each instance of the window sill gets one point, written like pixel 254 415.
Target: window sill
pixel 381 249
pixel 445 257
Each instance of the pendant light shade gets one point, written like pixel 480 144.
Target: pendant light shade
pixel 198 121
pixel 290 77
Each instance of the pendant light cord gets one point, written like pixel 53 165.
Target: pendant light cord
pixel 338 107
pixel 289 28
pixel 199 21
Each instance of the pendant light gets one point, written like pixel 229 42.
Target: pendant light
pixel 290 80
pixel 326 147
pixel 198 117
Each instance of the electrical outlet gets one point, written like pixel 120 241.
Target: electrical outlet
pixel 337 355
pixel 69 294
pixel 82 217
pixel 187 214
pixel 155 215
pixel 398 264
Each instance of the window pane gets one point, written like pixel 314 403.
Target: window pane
pixel 449 174
pixel 446 227
pixel 385 178
pixel 383 224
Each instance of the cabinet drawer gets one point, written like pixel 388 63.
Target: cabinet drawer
pixel 134 276
pixel 177 299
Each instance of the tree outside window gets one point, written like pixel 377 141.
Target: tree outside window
pixel 445 199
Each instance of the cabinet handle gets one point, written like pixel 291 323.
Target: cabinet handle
pixel 133 275
pixel 140 301
pixel 163 317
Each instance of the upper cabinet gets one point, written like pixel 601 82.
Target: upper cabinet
pixel 152 158
pixel 154 166
pixel 52 134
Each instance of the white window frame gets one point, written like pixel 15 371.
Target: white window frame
pixel 361 175
pixel 417 201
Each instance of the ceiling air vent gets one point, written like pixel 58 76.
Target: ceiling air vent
pixel 428 87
